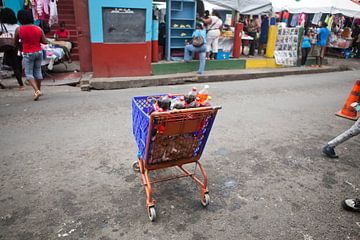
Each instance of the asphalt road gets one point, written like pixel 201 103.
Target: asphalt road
pixel 66 165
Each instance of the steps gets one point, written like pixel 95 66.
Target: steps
pixel 66 13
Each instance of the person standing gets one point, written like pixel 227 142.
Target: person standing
pixel 305 48
pixel 321 43
pixel 214 26
pixel 31 36
pixel 198 45
pixel 11 58
pixel 329 148
pixel 264 29
pixel 252 30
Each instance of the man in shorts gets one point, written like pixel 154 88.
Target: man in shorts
pixel 321 43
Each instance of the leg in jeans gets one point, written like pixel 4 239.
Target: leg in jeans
pixel 353 131
pixel 304 55
pixel 28 62
pixel 37 69
pixel 189 50
pixel 202 56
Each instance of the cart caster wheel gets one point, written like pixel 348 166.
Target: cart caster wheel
pixel 205 202
pixel 152 214
pixel 135 166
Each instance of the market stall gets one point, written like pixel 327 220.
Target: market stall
pixel 335 13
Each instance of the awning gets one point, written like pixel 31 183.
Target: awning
pixel 250 7
pixel 345 7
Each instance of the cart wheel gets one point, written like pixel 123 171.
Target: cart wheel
pixel 205 202
pixel 152 214
pixel 135 166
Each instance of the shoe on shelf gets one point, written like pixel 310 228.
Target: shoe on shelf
pixel 352 204
pixel 329 151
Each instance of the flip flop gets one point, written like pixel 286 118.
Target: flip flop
pixel 37 95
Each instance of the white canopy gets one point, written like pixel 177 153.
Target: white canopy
pixel 345 7
pixel 251 7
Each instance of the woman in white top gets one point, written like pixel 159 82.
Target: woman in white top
pixel 8 23
pixel 214 26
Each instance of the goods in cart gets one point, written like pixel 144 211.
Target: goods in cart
pixel 171 130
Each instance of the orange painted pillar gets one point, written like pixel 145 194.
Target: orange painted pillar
pixel 237 40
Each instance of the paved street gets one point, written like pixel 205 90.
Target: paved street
pixel 66 165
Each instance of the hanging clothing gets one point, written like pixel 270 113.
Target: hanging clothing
pixel 329 21
pixel 294 20
pixel 302 19
pixel 316 18
pixel 53 19
pixel 46 6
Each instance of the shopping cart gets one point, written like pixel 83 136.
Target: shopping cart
pixel 170 139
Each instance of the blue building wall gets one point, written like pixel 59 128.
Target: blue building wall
pixel 95 13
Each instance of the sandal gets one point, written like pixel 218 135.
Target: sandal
pixel 22 88
pixel 37 95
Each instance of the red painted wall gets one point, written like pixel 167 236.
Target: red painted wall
pixel 120 60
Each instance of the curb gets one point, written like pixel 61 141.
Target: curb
pixel 175 79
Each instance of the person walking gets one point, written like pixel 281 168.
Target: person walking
pixel 329 148
pixel 321 43
pixel 198 45
pixel 11 58
pixel 305 48
pixel 31 36
pixel 214 26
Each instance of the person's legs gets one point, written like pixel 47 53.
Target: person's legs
pixel 37 69
pixel 303 59
pixel 322 55
pixel 252 44
pixel 11 59
pixel 209 44
pixel 304 55
pixel 328 149
pixel 215 46
pixel 202 57
pixel 28 63
pixel 189 49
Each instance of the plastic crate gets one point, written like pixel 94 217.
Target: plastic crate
pixel 140 121
pixel 141 109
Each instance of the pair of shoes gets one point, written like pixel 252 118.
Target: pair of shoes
pixel 352 204
pixel 37 95
pixel 329 151
pixel 200 73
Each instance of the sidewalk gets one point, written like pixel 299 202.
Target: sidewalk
pixel 209 76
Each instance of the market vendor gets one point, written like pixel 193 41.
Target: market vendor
pixel 62 39
pixel 214 26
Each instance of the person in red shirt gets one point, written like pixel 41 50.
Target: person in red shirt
pixel 31 36
pixel 63 34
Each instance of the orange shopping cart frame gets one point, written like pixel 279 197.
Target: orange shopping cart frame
pixel 170 139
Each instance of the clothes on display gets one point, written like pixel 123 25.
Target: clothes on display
pixel 43 9
pixel 316 19
pixel 295 20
